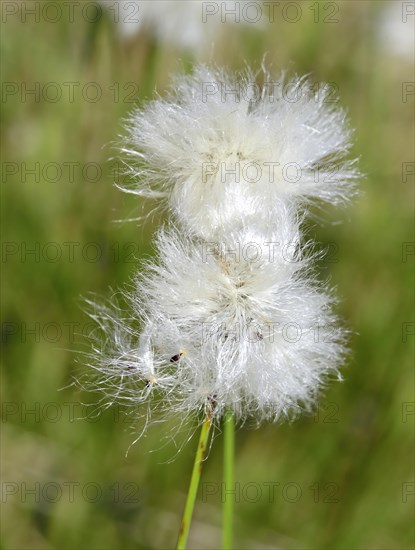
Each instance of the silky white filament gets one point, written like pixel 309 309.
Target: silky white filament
pixel 230 314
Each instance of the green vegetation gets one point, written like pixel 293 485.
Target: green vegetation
pixel 340 479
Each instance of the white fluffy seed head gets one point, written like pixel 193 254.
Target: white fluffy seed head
pixel 230 315
pixel 239 324
pixel 193 25
pixel 175 22
pixel 218 144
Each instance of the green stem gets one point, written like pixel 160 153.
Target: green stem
pixel 194 484
pixel 228 477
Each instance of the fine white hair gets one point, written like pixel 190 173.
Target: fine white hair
pixel 218 143
pixel 241 322
pixel 230 314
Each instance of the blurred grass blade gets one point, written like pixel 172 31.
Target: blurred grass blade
pixel 228 478
pixel 194 484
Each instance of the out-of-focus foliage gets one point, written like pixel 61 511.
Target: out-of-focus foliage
pixel 340 479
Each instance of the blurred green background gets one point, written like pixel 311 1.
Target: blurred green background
pixel 343 478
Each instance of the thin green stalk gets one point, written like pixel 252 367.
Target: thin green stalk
pixel 228 478
pixel 194 484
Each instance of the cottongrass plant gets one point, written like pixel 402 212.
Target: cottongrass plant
pixel 218 145
pixel 190 25
pixel 231 323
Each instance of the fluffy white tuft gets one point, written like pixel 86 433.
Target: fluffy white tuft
pixel 239 324
pixel 230 316
pixel 220 143
pixel 191 25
